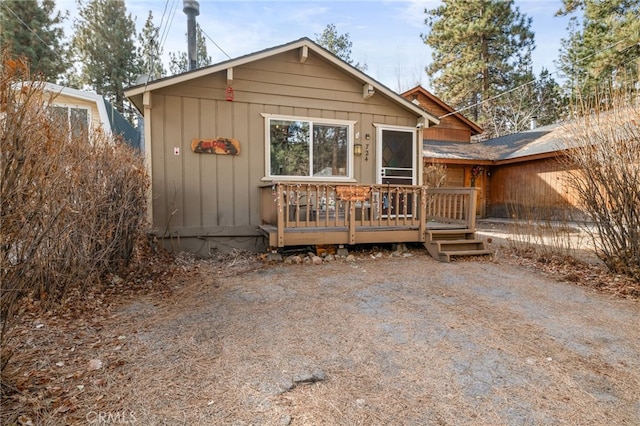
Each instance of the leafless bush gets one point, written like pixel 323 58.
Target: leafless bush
pixel 540 228
pixel 72 205
pixel 605 148
pixel 434 175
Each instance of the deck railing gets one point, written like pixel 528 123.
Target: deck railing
pixel 357 208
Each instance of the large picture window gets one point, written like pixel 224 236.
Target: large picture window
pixel 309 148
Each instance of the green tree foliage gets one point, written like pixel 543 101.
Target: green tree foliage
pixel 179 61
pixel 481 48
pixel 33 30
pixel 338 44
pixel 149 49
pixel 603 49
pixel 103 45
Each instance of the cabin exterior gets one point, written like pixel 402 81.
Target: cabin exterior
pixel 454 130
pixel 453 126
pixel 519 175
pixel 287 146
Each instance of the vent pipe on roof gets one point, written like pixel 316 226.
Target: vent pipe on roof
pixel 191 8
pixel 534 122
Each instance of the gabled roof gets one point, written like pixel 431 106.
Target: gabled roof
pixel 543 141
pixel 135 92
pixel 475 129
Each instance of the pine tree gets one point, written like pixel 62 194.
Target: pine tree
pixel 179 61
pixel 149 50
pixel 104 47
pixel 31 29
pixel 603 50
pixel 481 48
pixel 338 44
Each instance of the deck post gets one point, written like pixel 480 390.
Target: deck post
pixel 352 222
pixel 280 211
pixel 471 213
pixel 423 213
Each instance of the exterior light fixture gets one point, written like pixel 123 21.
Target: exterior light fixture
pixel 357 149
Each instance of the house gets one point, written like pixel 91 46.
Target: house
pixel 287 146
pixel 454 129
pixel 84 110
pixel 453 126
pixel 521 174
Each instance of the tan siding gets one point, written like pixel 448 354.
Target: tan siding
pixel 225 182
pixel 254 149
pixel 174 191
pixel 241 183
pixel 209 165
pixel 192 178
pixel 159 195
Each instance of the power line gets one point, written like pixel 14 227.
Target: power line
pixel 165 34
pixel 25 25
pixel 533 81
pixel 215 44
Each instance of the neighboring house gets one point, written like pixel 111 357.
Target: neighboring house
pixel 88 110
pixel 453 126
pixel 454 129
pixel 519 174
pixel 289 145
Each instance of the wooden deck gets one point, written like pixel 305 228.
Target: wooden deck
pixel 296 214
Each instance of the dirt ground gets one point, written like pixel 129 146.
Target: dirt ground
pixel 386 338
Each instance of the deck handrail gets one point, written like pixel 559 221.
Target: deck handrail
pixel 360 207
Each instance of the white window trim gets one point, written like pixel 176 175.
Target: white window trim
pixel 76 106
pixel 417 170
pixel 314 120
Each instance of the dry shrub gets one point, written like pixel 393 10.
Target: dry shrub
pixel 605 149
pixel 73 205
pixel 434 175
pixel 541 229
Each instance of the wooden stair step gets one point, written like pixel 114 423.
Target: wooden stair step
pixel 451 235
pixel 446 255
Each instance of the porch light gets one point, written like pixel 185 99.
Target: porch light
pixel 357 149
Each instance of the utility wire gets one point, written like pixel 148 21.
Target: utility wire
pixel 215 44
pixel 165 34
pixel 25 25
pixel 532 81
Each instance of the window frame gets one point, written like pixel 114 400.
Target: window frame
pixel 69 107
pixel 349 124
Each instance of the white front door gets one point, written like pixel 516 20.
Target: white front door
pixel 396 155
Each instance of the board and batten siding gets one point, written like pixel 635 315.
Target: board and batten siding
pixel 217 197
pixel 532 190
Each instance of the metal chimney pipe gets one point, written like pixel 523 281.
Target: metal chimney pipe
pixel 191 8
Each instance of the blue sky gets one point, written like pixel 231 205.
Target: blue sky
pixel 385 34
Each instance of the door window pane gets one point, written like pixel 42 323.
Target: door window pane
pixel 397 149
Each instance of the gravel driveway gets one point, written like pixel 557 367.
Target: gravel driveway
pixel 392 340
